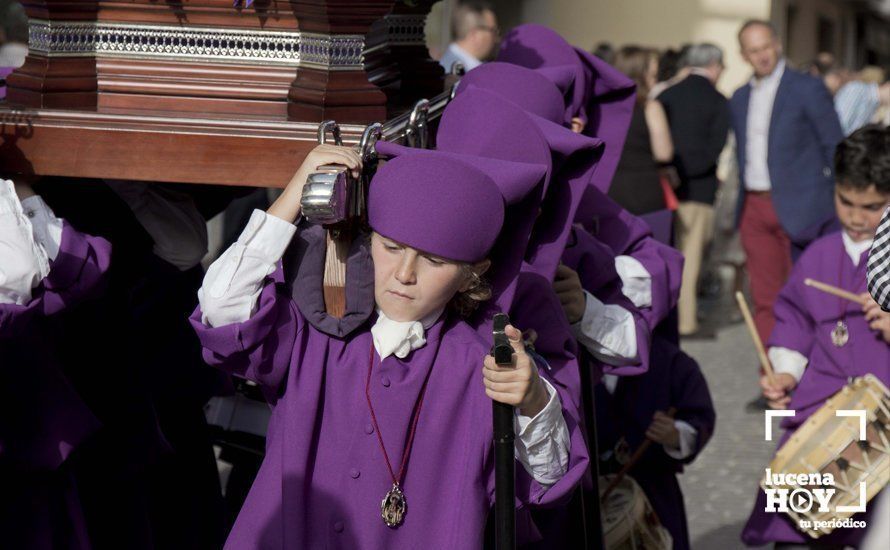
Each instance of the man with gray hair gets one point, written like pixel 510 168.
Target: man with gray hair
pixel 698 115
pixel 476 34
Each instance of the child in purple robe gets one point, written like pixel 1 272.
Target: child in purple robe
pixel 820 341
pixel 382 438
pixel 45 266
pixel 633 409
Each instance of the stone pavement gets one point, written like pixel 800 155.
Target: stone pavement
pixel 720 486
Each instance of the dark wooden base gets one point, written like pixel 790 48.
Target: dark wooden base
pixel 156 147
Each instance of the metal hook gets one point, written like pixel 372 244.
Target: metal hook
pixel 372 133
pixel 453 91
pixel 332 127
pixel 416 133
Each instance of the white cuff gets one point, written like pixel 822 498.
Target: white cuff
pixel 787 361
pixel 267 235
pixel 46 226
pixel 542 443
pixel 688 435
pixel 608 332
pixel 636 281
pixel 233 282
pixel 23 262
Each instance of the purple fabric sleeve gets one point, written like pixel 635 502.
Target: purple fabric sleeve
pixel 627 235
pixel 78 271
pixel 14 318
pixel 530 493
pixel 794 327
pixel 691 396
pixel 594 262
pixel 259 349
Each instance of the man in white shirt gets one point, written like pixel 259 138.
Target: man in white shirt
pixel 476 35
pixel 786 129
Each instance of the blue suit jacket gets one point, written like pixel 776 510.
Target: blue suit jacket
pixel 803 132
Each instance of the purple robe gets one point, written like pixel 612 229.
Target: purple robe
pixel 324 475
pixel 147 478
pixel 628 235
pixel 42 417
pixel 594 262
pixel 673 380
pixel 805 318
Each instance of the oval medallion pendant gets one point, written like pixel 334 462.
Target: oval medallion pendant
pixel 393 507
pixel 840 335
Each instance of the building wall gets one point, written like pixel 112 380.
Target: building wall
pixel 671 23
pixel 663 23
pixel 799 22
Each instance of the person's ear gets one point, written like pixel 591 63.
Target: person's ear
pixel 578 124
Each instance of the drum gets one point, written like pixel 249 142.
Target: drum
pixel 629 522
pixel 830 444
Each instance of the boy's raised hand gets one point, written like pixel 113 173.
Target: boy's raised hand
pixel 778 394
pixel 287 206
pixel 663 430
pixel 518 384
pixel 568 288
pixel 877 319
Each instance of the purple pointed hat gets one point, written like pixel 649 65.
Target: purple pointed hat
pixel 541 93
pixel 446 204
pixel 480 123
pixel 538 47
pixel 608 109
pixel 486 124
pixel 601 95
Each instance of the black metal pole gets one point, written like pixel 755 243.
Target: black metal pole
pixel 592 512
pixel 504 463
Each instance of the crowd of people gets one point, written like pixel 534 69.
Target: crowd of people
pixel 574 191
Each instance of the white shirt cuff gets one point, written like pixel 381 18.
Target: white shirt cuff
pixel 608 332
pixel 23 262
pixel 787 361
pixel 46 226
pixel 688 435
pixel 542 443
pixel 267 235
pixel 233 282
pixel 636 281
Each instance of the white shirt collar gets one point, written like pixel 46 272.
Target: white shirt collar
pixel 854 249
pixel 400 338
pixel 468 60
pixel 771 79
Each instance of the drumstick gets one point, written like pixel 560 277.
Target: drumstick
pixel 839 292
pixel 638 454
pixel 761 352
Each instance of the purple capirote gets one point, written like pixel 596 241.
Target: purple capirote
pixel 443 203
pixel 601 97
pixel 541 92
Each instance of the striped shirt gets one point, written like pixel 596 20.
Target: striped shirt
pixel 856 103
pixel 879 264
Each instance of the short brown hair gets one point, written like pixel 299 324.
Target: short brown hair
pixel 465 303
pixel 468 16
pixel 754 23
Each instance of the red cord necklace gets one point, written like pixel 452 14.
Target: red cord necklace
pixel 840 334
pixel 394 505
